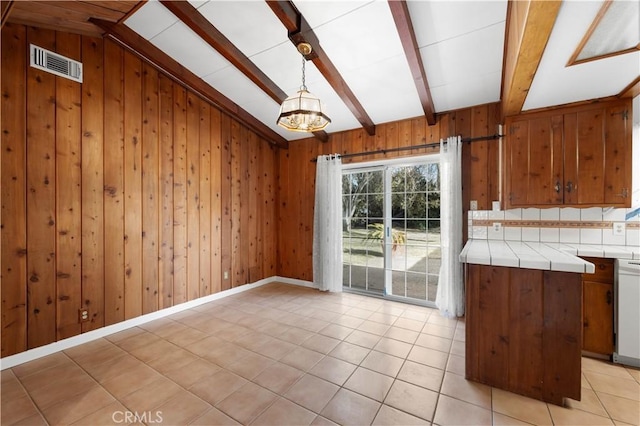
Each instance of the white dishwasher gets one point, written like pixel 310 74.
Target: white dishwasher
pixel 627 312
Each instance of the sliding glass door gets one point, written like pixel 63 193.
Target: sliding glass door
pixel 391 230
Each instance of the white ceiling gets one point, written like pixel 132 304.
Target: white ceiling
pixel 461 44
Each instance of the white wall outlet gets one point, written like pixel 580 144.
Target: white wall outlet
pixel 495 206
pixel 497 226
pixel 474 205
pixel 226 275
pixel 619 228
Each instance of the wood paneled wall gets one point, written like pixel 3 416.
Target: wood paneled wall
pixel 296 190
pixel 121 195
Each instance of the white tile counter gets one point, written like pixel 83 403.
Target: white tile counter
pixel 546 256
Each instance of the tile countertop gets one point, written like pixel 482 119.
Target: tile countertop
pixel 536 255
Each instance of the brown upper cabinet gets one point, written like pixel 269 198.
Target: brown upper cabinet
pixel 579 156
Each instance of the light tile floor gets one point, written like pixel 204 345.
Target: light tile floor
pixel 281 354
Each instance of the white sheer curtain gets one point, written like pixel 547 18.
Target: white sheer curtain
pixel 450 294
pixel 327 224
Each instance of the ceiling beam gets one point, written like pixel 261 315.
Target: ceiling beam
pixel 300 31
pixel 632 90
pixel 402 18
pixel 190 16
pixel 134 42
pixel 6 7
pixel 529 26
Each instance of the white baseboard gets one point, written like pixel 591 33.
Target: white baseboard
pixel 295 281
pixel 31 354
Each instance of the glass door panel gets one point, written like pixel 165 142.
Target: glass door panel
pixel 363 230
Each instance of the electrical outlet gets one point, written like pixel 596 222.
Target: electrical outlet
pixel 474 205
pixel 497 227
pixel 226 275
pixel 83 315
pixel 619 228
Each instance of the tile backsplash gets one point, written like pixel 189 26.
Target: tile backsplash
pixel 593 225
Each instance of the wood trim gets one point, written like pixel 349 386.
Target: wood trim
pixel 300 31
pixel 402 19
pixel 603 10
pixel 6 6
pixel 530 24
pixel 570 108
pixel 632 90
pixel 134 42
pixel 596 21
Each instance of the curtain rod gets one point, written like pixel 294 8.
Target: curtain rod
pixel 409 148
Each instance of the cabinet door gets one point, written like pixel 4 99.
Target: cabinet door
pixel 534 161
pixel 618 155
pixel 584 157
pixel 597 169
pixel 597 299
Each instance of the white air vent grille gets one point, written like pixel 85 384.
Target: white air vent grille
pixel 56 64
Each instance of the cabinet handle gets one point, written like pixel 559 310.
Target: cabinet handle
pixel 569 186
pixel 557 187
pixel 624 193
pixel 609 297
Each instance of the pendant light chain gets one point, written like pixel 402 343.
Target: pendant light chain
pixel 304 85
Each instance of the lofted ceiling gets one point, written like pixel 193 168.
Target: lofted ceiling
pixel 373 61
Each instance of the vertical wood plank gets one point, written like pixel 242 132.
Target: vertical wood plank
pixel 193 196
pixel 296 222
pixel 405 137
pixel 150 190
pixel 562 335
pixel 589 184
pixel 69 201
pixel 492 304
pixel 114 183
pixel 283 213
pixel 41 197
pixel 216 201
pixel 179 195
pixel 308 206
pixel 205 199
pixel 225 200
pixel 478 172
pixel 526 322
pixel 253 214
pixel 165 280
pixel 14 236
pixel 269 230
pixel 245 239
pixel 92 183
pixel 493 153
pixel 132 185
pixel 418 134
pixel 236 178
pixel 617 160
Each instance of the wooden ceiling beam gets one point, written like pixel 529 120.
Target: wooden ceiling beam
pixel 190 16
pixel 402 18
pixel 134 42
pixel 529 26
pixel 300 31
pixel 632 90
pixel 6 6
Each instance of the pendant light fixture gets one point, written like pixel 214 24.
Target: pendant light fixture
pixel 303 112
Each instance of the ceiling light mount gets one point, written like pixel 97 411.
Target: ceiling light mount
pixel 303 112
pixel 304 48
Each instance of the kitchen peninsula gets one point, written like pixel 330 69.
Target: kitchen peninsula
pixel 524 316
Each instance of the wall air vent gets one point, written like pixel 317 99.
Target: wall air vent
pixel 56 64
